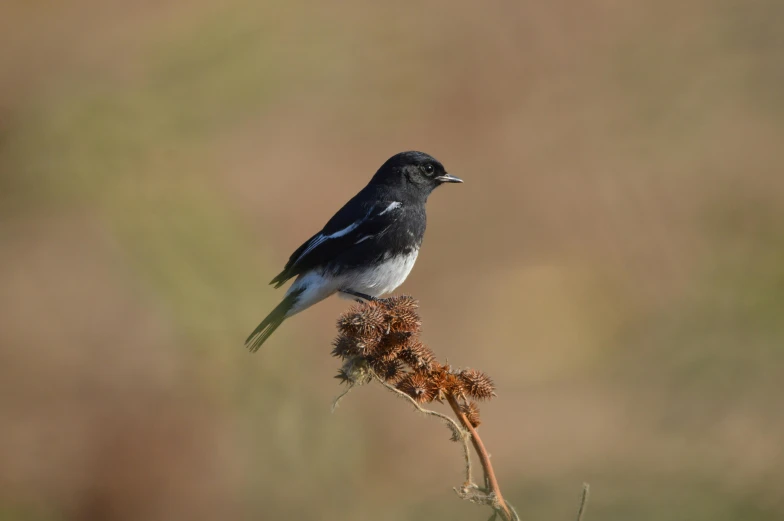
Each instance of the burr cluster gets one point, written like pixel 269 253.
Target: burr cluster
pixel 380 339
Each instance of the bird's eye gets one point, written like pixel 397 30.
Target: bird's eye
pixel 429 168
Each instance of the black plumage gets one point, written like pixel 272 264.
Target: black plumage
pixel 368 247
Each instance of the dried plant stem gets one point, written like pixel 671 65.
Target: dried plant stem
pixel 484 458
pixel 339 397
pixel 458 433
pixel 583 501
pixel 379 340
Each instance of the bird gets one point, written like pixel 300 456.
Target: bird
pixel 368 248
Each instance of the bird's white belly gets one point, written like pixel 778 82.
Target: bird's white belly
pixel 315 286
pixel 382 278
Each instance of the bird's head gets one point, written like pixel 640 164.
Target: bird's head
pixel 414 171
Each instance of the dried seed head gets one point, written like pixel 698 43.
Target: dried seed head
pixel 366 320
pixel 418 356
pixel 402 303
pixel 438 378
pixel 402 314
pixel 405 322
pixel 445 382
pixel 448 382
pixel 355 371
pixel 390 346
pixel 345 346
pixel 477 384
pixel 418 386
pixel 344 377
pixel 391 371
pixel 471 411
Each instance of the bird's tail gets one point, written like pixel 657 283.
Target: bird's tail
pixel 271 323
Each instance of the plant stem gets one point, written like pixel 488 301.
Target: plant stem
pixel 583 501
pixel 453 426
pixel 484 458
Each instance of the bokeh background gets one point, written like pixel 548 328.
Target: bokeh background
pixel 615 259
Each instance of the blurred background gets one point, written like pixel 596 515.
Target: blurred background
pixel 614 260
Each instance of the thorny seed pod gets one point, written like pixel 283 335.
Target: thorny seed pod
pixel 471 411
pixel 367 320
pixel 355 370
pixel 403 316
pixel 418 386
pixel 477 384
pixel 438 378
pixel 390 346
pixel 447 382
pixel 405 322
pixel 402 303
pixel 391 371
pixel 345 346
pixel 344 377
pixel 418 356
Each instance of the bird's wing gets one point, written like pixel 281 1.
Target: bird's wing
pixel 360 219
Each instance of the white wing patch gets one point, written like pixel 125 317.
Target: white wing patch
pixel 320 238
pixel 393 205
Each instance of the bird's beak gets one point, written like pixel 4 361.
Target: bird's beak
pixel 447 178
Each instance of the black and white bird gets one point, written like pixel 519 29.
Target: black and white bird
pixel 368 247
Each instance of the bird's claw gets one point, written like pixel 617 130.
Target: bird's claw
pixel 360 297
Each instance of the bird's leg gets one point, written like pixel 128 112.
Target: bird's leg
pixel 359 295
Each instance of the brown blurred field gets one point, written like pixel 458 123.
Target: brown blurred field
pixel 615 259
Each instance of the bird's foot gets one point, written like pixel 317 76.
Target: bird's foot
pixel 360 296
